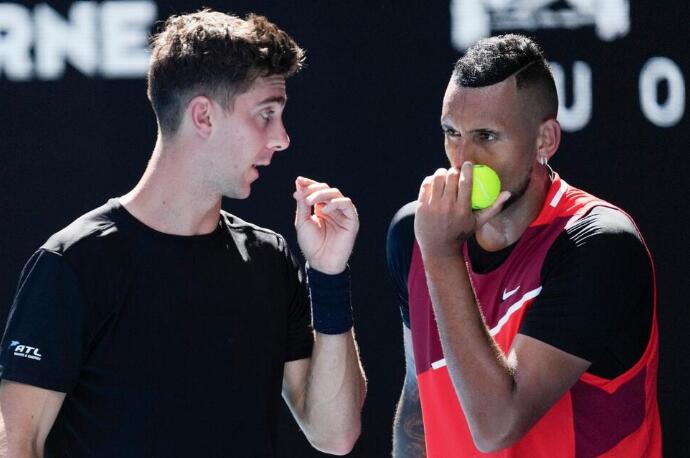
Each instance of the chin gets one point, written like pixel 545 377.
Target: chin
pixel 238 194
pixel 518 193
pixel 243 195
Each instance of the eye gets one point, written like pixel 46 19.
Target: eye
pixel 448 132
pixel 266 114
pixel 486 136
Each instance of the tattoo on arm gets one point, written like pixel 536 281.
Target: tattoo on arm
pixel 408 434
pixel 408 427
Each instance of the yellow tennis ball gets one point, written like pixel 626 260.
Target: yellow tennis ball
pixel 485 186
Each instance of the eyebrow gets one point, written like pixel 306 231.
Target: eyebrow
pixel 445 125
pixel 482 130
pixel 282 100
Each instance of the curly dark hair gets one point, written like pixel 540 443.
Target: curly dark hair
pixel 492 60
pixel 215 54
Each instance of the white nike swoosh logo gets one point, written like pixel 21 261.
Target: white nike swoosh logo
pixel 507 294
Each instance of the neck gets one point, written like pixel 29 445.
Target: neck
pixel 171 197
pixel 509 225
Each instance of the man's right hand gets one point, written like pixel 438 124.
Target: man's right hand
pixel 444 218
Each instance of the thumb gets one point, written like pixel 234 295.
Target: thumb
pixel 485 215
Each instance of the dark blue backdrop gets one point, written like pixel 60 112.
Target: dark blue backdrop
pixel 364 116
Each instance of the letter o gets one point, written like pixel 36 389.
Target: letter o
pixel 655 70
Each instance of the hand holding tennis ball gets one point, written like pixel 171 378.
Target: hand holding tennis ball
pixel 485 186
pixel 443 219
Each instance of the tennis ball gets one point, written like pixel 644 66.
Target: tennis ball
pixel 485 186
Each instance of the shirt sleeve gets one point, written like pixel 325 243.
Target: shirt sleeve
pixel 300 338
pixel 399 244
pixel 597 297
pixel 43 343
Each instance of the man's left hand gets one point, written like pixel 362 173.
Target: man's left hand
pixel 326 235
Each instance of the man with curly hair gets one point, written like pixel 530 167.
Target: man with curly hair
pixel 158 325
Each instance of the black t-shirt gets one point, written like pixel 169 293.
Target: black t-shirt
pixel 597 296
pixel 166 345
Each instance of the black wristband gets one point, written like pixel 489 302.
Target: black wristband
pixel 330 301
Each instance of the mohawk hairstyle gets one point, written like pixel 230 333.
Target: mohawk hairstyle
pixel 492 60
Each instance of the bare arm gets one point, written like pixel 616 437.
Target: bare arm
pixel 408 427
pixel 325 393
pixel 502 396
pixel 3 437
pixel 29 413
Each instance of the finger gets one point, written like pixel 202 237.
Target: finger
pixel 465 184
pixel 438 184
pixel 452 180
pixel 344 204
pixel 316 186
pixel 303 210
pixel 425 190
pixel 312 188
pixel 485 215
pixel 304 181
pixel 302 191
pixel 323 195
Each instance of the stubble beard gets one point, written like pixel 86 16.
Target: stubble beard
pixel 517 194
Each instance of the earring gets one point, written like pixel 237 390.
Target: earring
pixel 544 160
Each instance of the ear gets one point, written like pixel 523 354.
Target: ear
pixel 548 139
pixel 199 110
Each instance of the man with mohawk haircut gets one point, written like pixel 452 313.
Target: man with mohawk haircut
pixel 529 327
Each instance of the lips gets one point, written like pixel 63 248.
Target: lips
pixel 256 165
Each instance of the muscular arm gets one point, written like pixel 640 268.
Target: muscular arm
pixel 502 396
pixel 325 393
pixel 408 428
pixel 29 413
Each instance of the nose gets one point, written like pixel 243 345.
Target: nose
pixel 279 139
pixel 458 151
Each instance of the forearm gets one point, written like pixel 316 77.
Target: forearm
pixel 482 376
pixel 18 445
pixel 3 437
pixel 335 387
pixel 28 413
pixel 408 426
pixel 21 452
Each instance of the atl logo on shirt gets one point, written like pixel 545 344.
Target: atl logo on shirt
pixel 25 351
